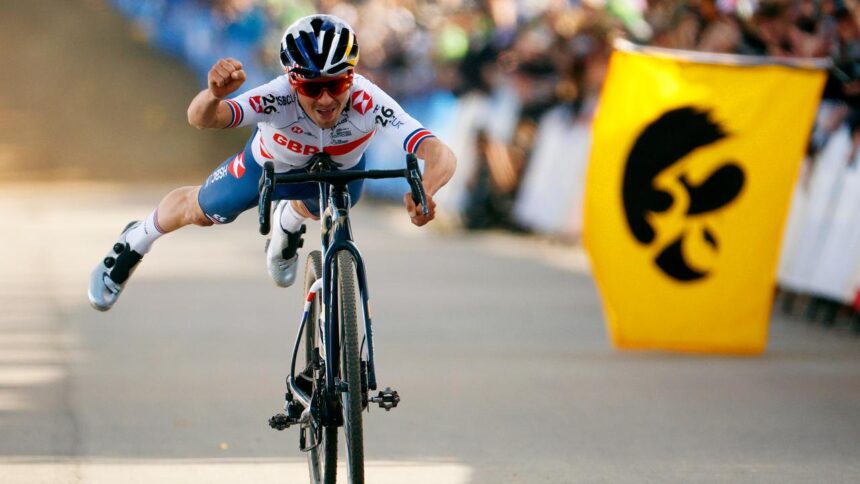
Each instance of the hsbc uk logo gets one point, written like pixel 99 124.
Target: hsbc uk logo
pixel 217 175
pixel 297 129
pixel 362 102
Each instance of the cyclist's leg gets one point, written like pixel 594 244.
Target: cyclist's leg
pixel 287 229
pixel 229 190
pixel 297 203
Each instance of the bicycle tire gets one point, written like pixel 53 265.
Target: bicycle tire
pixel 350 366
pixel 322 458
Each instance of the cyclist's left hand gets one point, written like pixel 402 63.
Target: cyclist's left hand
pixel 415 212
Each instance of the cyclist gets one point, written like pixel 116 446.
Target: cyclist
pixel 319 104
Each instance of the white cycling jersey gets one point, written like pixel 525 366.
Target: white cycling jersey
pixel 288 137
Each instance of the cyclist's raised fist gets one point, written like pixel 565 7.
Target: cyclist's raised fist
pixel 225 77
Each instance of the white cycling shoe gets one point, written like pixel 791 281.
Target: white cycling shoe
pixel 281 250
pixel 109 277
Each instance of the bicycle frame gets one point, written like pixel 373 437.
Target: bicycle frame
pixel 337 217
pixel 336 236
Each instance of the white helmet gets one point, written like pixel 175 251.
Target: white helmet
pixel 319 46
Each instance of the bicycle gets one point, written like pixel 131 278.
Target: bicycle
pixel 333 388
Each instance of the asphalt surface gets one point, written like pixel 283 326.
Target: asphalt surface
pixel 496 344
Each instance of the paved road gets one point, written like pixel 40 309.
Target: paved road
pixel 496 344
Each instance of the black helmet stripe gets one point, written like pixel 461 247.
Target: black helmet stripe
pixel 297 54
pixel 309 43
pixel 320 25
pixel 338 68
pixel 317 24
pixel 340 50
pixel 328 38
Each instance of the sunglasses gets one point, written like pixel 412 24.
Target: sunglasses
pixel 314 88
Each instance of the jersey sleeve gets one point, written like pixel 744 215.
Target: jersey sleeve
pixel 389 117
pixel 260 104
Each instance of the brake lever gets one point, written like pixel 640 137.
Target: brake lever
pixel 267 181
pixel 414 178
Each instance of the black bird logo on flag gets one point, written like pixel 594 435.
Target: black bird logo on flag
pixel 663 143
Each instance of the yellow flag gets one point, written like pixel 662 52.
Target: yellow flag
pixel 693 162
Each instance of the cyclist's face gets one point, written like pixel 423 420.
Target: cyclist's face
pixel 326 107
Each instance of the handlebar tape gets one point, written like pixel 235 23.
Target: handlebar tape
pixel 265 204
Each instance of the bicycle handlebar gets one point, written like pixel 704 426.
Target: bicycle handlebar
pixel 413 176
pixel 269 180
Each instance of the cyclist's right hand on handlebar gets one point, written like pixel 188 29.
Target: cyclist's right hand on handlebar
pixel 225 77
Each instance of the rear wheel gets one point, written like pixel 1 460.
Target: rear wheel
pixel 350 370
pixel 322 458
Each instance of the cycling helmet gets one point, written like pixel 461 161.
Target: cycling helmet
pixel 319 46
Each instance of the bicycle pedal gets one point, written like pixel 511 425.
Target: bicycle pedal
pixel 281 421
pixel 386 399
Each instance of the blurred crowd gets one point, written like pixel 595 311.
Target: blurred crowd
pixel 508 64
pixel 511 86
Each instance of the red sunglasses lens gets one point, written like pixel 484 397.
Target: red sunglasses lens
pixel 314 89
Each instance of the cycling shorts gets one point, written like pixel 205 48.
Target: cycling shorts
pixel 233 187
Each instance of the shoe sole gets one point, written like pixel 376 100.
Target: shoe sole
pixel 92 299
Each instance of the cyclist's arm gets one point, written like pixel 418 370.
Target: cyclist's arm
pixel 439 160
pixel 439 164
pixel 207 110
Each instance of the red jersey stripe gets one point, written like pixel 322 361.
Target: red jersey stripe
pixel 347 147
pixel 263 150
pixel 237 113
pixel 410 145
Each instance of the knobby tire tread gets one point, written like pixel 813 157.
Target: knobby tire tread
pixel 351 365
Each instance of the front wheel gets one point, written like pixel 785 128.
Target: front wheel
pixel 350 369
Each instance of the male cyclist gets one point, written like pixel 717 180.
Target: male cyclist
pixel 320 104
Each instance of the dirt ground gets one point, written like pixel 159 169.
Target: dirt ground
pixel 84 97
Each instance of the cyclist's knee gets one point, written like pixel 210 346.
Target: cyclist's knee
pixel 194 213
pixel 302 209
pixel 209 209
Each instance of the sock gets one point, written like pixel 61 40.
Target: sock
pixel 140 238
pixel 291 221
